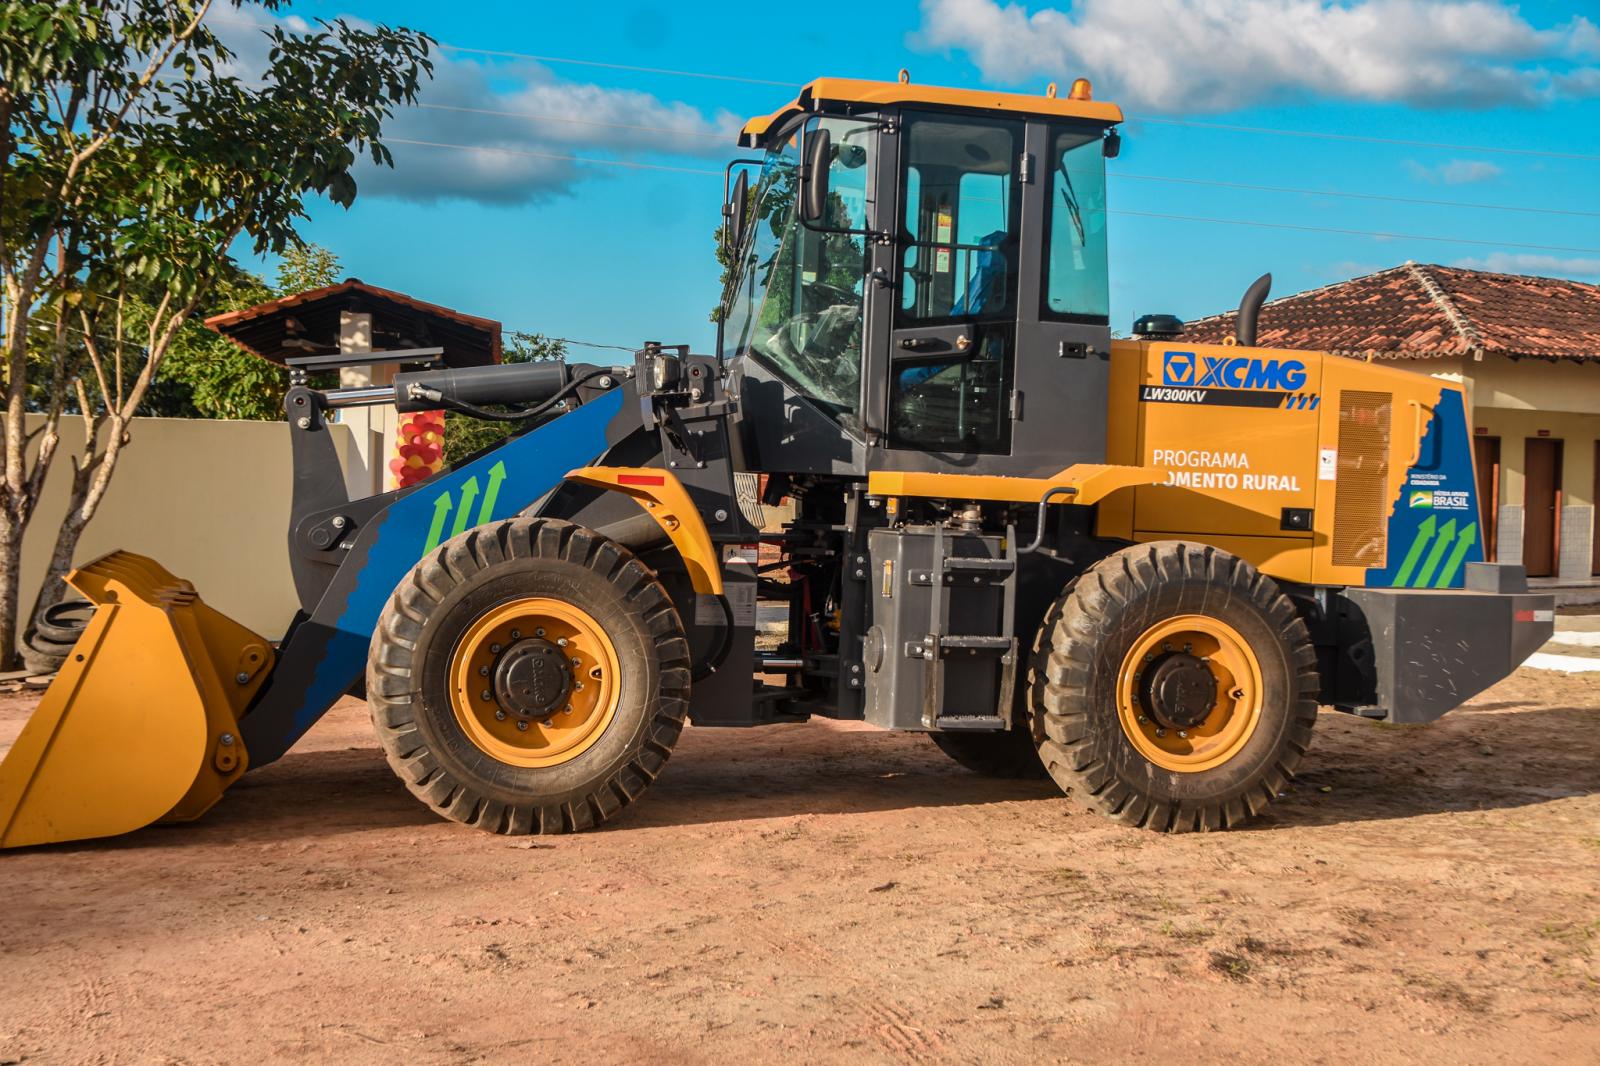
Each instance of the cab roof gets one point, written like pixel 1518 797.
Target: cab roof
pixel 825 91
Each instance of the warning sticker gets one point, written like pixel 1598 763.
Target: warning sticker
pixel 741 597
pixel 1328 465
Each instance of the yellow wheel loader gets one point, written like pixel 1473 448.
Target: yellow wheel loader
pixel 1138 567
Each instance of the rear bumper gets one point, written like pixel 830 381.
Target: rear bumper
pixel 1410 655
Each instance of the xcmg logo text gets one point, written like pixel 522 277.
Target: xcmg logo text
pixel 1232 372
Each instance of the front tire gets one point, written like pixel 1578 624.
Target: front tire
pixel 529 676
pixel 1177 691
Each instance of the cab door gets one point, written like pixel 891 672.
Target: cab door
pixel 952 345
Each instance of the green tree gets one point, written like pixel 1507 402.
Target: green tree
pixel 133 159
pixel 464 435
pixel 208 376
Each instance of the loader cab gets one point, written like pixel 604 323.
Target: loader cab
pixel 922 282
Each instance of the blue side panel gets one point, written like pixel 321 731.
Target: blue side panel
pixel 1433 529
pixel 328 652
pixel 494 485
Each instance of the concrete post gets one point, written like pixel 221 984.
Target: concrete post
pixel 372 429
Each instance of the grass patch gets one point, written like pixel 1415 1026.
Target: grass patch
pixel 1192 934
pixel 1233 967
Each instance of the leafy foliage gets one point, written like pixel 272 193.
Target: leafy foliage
pixel 208 376
pixel 132 157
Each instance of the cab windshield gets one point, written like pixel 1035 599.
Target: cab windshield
pixel 795 297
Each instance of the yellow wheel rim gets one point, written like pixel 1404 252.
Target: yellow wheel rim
pixel 1189 693
pixel 534 682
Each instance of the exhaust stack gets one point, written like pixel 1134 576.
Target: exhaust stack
pixel 1250 310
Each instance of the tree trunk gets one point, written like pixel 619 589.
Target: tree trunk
pixel 53 589
pixel 10 584
pixel 90 479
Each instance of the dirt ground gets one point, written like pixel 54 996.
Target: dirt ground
pixel 838 894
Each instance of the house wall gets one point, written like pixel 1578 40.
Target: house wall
pixel 206 498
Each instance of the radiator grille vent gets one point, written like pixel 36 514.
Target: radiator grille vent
pixel 1361 493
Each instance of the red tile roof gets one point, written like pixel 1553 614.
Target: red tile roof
pixel 279 328
pixel 1427 311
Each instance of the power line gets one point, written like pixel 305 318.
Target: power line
pixel 617 66
pixel 593 344
pixel 1354 232
pixel 1195 123
pixel 1350 195
pixel 544 117
pixel 538 117
pixel 1495 149
pixel 554 155
pixel 1378 234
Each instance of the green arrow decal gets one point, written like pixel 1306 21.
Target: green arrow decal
pixel 441 508
pixel 1447 533
pixel 497 474
pixel 1463 543
pixel 469 492
pixel 1424 534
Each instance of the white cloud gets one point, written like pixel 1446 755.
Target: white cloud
pixel 1455 172
pixel 1550 266
pixel 1214 55
pixel 517 106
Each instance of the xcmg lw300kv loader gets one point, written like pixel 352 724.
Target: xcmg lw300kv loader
pixel 1136 566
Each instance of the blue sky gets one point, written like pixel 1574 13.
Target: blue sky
pixel 619 254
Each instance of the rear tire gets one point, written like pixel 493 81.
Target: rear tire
pixel 1177 691
pixel 472 714
pixel 1010 754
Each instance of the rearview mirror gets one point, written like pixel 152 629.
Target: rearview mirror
pixel 814 183
pixel 736 213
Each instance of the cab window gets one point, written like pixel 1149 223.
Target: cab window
pixel 1076 287
pixel 960 220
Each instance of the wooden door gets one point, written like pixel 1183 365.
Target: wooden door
pixel 1486 455
pixel 1541 506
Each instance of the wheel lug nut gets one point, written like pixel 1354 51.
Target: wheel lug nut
pixel 483 671
pixel 522 725
pixel 548 723
pixel 568 709
pixel 577 686
pixel 1161 732
pixel 538 632
pixel 516 634
pixel 561 642
pixel 1184 733
pixel 494 649
pixel 1187 648
pixel 486 695
pixel 499 716
pixel 576 661
pixel 1143 720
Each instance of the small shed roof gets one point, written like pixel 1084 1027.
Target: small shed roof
pixel 307 323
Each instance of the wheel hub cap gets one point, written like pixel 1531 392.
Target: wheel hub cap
pixel 1179 691
pixel 532 678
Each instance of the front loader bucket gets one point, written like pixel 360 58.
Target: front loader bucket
pixel 141 724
